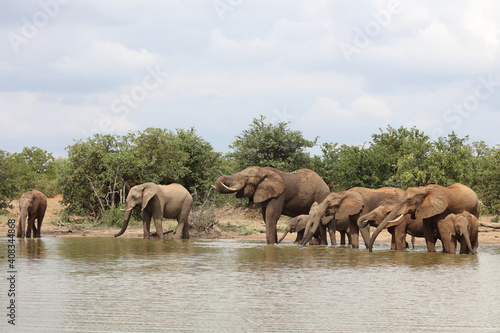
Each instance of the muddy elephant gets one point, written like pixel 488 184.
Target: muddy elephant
pixel 461 227
pixel 159 201
pixel 32 205
pixel 351 204
pixel 431 203
pixel 287 193
pixel 398 229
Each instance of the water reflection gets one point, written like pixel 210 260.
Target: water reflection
pixel 126 284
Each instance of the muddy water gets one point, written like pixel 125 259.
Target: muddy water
pixel 131 285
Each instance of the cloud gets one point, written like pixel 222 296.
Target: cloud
pixel 224 73
pixel 370 106
pixel 104 58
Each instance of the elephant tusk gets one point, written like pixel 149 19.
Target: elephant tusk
pixel 213 186
pixel 127 210
pixel 232 189
pixel 397 218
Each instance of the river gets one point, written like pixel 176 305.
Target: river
pixel 134 285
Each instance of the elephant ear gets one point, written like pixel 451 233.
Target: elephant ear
pixel 148 192
pixel 352 204
pixel 435 202
pixel 271 186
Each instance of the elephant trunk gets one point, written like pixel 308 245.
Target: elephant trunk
pixel 392 217
pixel 284 235
pixel 465 233
pixel 307 238
pixel 311 227
pixel 126 218
pixel 22 223
pixel 224 184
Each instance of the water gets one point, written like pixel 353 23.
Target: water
pixel 132 285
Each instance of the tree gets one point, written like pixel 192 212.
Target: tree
pixel 7 183
pixel 34 168
pixel 274 145
pixel 202 164
pixel 404 152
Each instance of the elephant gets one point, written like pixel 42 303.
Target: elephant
pixel 298 225
pixel 287 193
pixel 32 205
pixel 159 201
pixel 461 227
pixel 351 204
pixel 398 229
pixel 431 203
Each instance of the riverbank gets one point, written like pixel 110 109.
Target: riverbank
pixel 232 223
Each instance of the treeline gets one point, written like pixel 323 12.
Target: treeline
pixel 99 171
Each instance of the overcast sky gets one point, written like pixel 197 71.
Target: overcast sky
pixel 339 70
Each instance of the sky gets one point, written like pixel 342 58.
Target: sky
pixel 337 70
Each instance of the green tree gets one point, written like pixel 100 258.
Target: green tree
pixel 275 145
pixel 85 178
pixel 487 180
pixel 202 165
pixel 7 181
pixel 403 153
pixel 34 168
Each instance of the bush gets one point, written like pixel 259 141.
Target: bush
pixel 112 218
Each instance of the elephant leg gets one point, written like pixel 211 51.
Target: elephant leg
pixel 453 245
pixel 393 239
pixel 31 222
pixel 430 239
pixel 146 222
pixel 342 237
pixel 272 210
pixel 19 232
pixel 400 236
pixel 464 249
pixel 354 231
pixel 333 239
pixel 300 236
pixel 157 217
pixel 39 221
pixel 322 235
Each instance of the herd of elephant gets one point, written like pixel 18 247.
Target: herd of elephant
pixel 432 212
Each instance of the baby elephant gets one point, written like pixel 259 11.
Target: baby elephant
pixel 298 225
pixel 461 227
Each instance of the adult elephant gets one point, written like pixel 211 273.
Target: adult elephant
pixel 287 193
pixel 351 204
pixel 398 230
pixel 32 205
pixel 159 201
pixel 461 227
pixel 431 203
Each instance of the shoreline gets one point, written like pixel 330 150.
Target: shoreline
pixel 233 223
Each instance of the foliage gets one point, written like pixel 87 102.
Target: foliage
pixel 35 168
pixel 7 183
pixel 98 172
pixel 101 170
pixel 275 145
